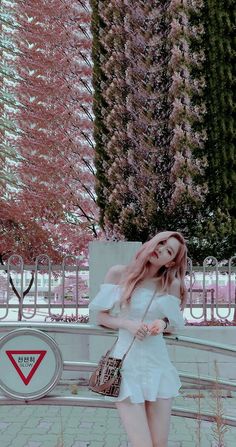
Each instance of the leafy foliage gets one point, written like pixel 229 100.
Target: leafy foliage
pixel 149 128
pixel 155 74
pixel 218 229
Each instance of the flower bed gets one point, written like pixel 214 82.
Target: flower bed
pixel 69 318
pixel 214 322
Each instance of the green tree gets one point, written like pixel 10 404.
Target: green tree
pixel 218 228
pixel 149 107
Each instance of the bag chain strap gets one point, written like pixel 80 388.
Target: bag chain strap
pixel 133 340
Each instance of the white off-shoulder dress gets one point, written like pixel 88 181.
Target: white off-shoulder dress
pixel 147 372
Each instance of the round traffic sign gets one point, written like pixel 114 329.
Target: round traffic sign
pixel 30 364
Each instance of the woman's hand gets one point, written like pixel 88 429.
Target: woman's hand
pixel 156 327
pixel 137 328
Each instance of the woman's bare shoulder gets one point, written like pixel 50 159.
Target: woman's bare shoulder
pixel 114 274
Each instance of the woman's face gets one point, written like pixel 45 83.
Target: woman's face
pixel 165 252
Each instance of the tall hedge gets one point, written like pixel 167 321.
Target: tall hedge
pixel 220 206
pixel 156 66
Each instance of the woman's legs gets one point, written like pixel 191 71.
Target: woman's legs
pixel 159 415
pixel 134 419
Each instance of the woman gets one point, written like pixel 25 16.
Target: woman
pixel 149 380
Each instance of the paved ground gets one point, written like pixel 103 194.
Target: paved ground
pixel 47 426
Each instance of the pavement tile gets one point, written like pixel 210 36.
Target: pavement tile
pixel 86 424
pixel 89 436
pixel 80 431
pixel 4 425
pixel 19 441
pixel 112 440
pixel 97 444
pixel 80 444
pixel 56 428
pixel 42 426
pixel 33 444
pixel 95 437
pixel 16 427
pixel 6 442
pixel 45 425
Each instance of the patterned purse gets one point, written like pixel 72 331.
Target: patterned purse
pixel 106 379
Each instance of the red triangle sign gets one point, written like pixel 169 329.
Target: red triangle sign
pixel 26 359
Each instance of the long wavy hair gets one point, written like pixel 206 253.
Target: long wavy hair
pixel 137 270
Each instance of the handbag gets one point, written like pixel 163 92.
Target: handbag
pixel 106 379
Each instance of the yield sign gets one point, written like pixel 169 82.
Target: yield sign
pixel 28 361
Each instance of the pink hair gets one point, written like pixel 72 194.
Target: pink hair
pixel 137 270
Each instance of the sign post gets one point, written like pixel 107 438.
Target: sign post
pixel 30 364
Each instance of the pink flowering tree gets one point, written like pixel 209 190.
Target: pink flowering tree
pixel 71 285
pixel 47 200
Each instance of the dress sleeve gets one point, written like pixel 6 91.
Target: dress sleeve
pixel 107 298
pixel 169 306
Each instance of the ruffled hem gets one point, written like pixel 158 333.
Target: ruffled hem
pixel 162 384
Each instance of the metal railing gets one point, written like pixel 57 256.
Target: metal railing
pixel 15 266
pixel 178 340
pixel 205 298
pixel 214 270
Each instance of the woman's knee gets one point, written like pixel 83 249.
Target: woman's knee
pixel 135 422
